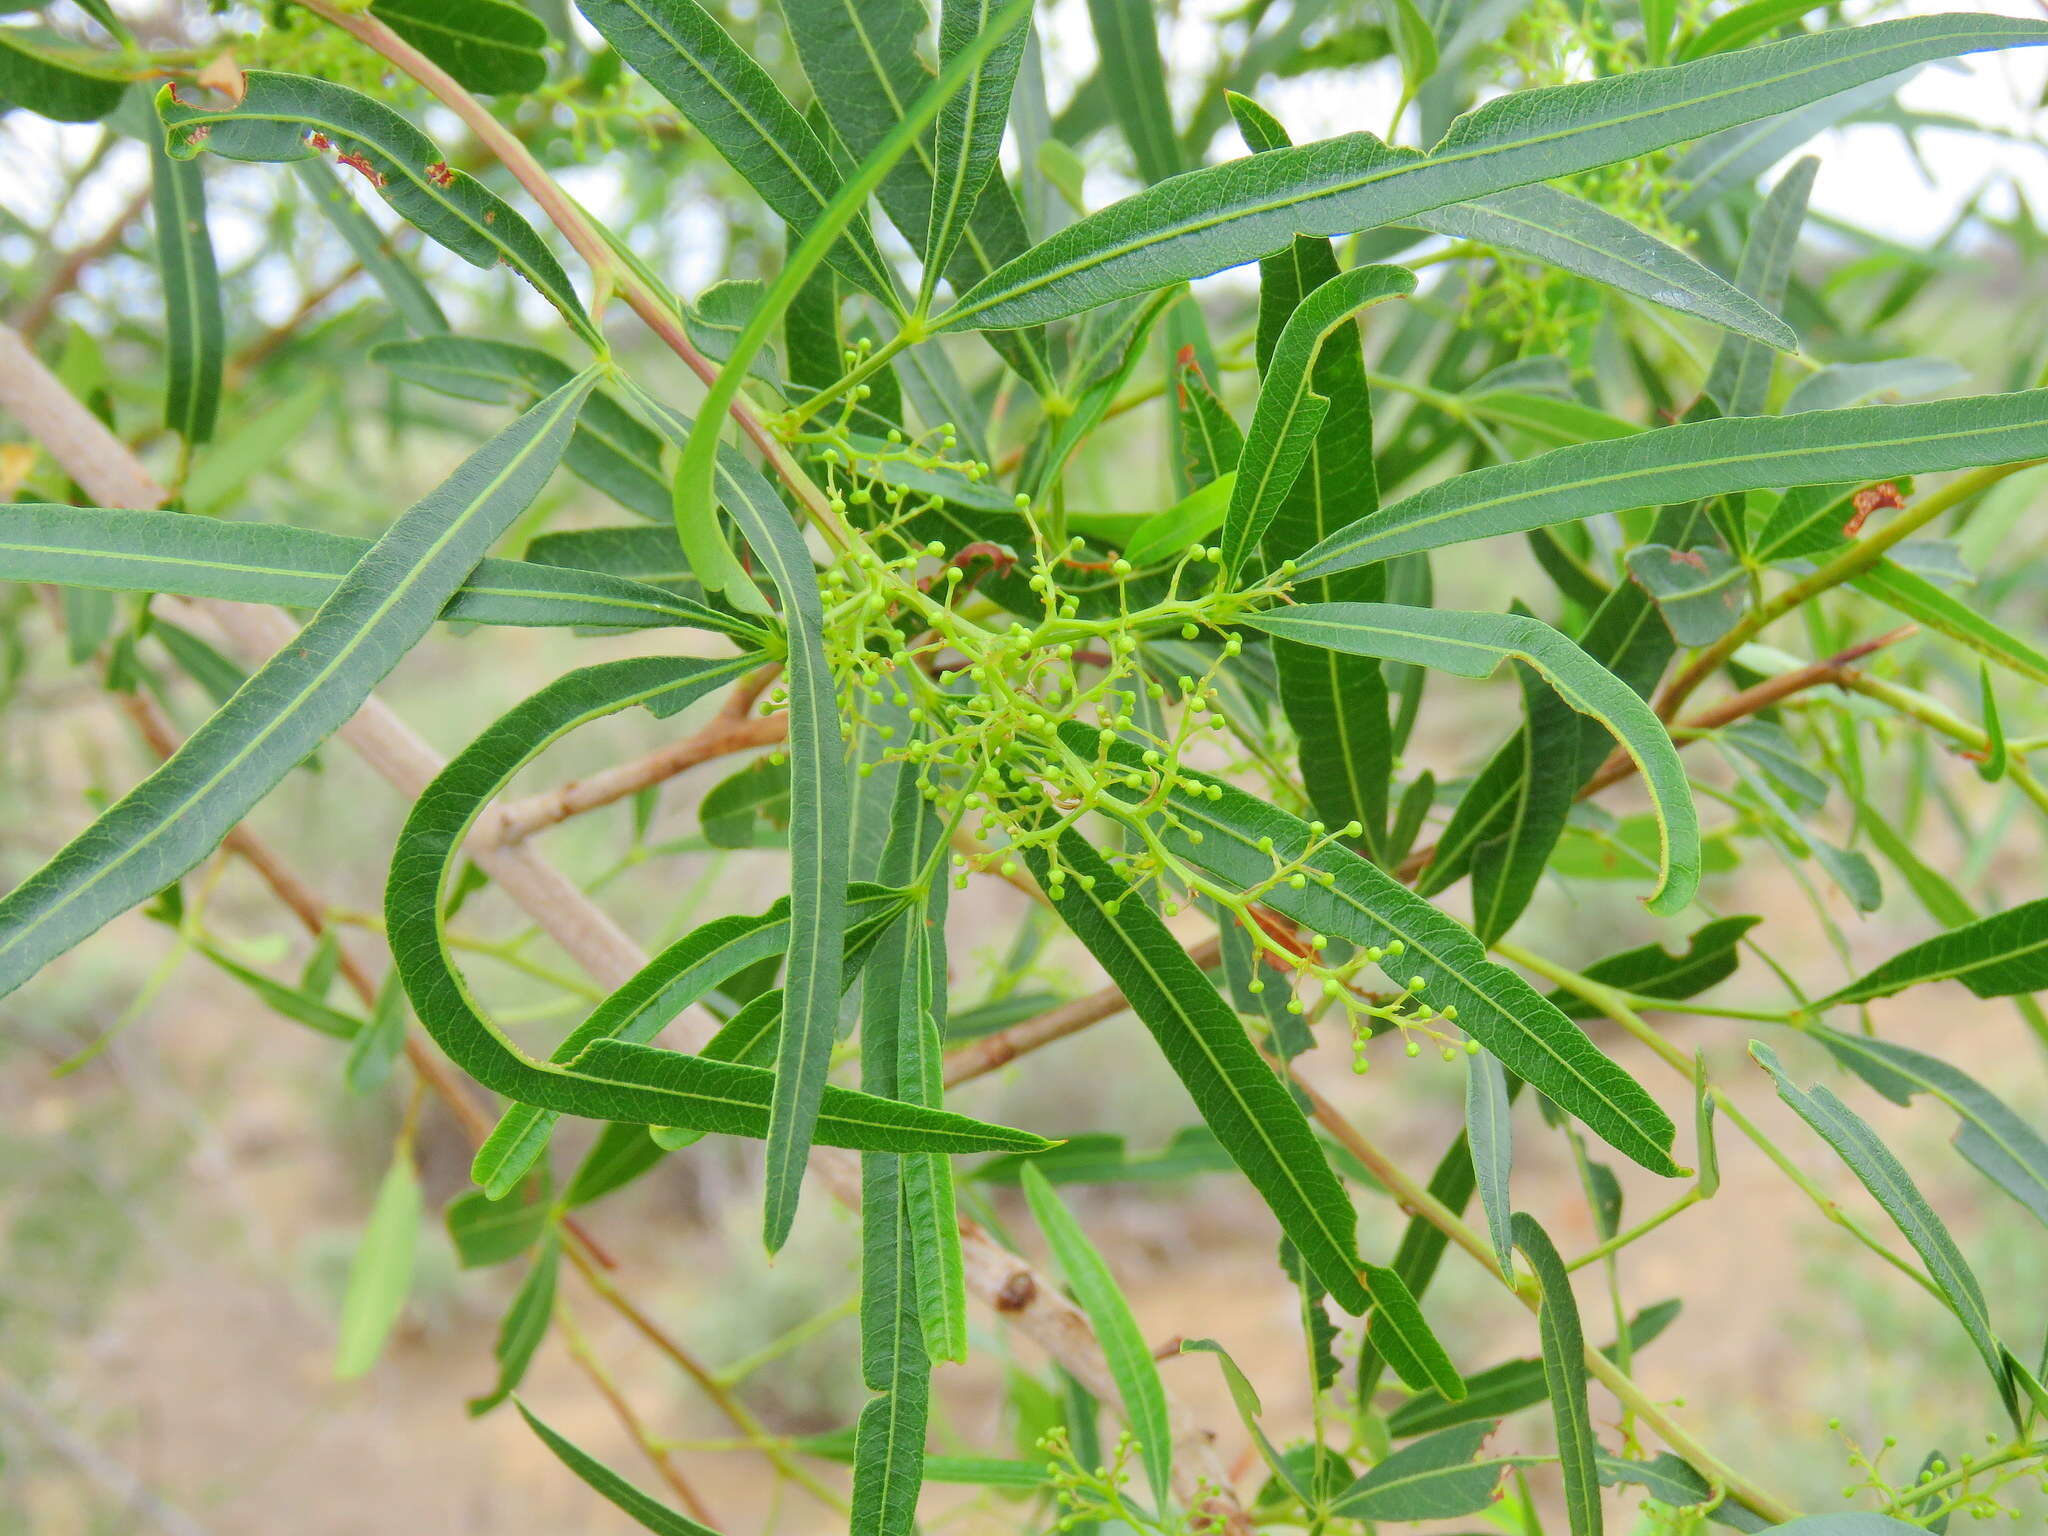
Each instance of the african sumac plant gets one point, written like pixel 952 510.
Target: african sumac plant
pixel 1013 558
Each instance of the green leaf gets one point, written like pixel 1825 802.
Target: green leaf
pixel 523 1327
pixel 1992 769
pixel 380 1277
pixel 651 1513
pixel 1246 1399
pixel 611 449
pixel 381 609
pixel 1710 957
pixel 1414 42
pixel 1490 1136
pixel 1922 601
pixel 678 48
pixel 64 85
pixel 1225 215
pixel 862 58
pixel 195 331
pixel 273 122
pixel 1251 1112
pixel 888 1465
pixel 1700 593
pixel 1134 77
pixel 1743 25
pixel 1130 1357
pixel 1289 411
pixel 970 128
pixel 417 307
pixel 609 1079
pixel 1997 956
pixel 1694 460
pixel 116 550
pixel 1893 1188
pixel 1433 1479
pixel 1400 1333
pixel 1210 438
pixel 1472 645
pixel 1740 378
pixel 621 1153
pixel 1564 1372
pixel 1997 1142
pixel 378 1045
pixel 1581 238
pixel 1165 534
pixel 1105 1159
pixel 487 45
pixel 733 806
pixel 486 1231
pixel 1507 868
pixel 1839 384
pixel 295 1004
pixel 1367 907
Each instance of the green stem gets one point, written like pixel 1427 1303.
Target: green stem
pixel 1621 1240
pixel 1918 1493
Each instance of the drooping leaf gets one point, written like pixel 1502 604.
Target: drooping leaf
pixel 283 118
pixel 1710 957
pixel 1880 1172
pixel 1507 868
pixel 1403 1336
pixel 60 84
pixel 491 46
pixel 970 128
pixel 610 1079
pixel 380 610
pixel 116 550
pixel 1996 956
pixel 1244 840
pixel 1694 460
pixel 195 330
pixel 1253 1115
pixel 486 1231
pixel 380 1276
pixel 1490 1136
pixel 1564 1374
pixel 1129 1356
pixel 1225 215
pixel 649 1512
pixel 416 305
pixel 523 1327
pixel 1472 645
pixel 680 50
pixel 2001 1145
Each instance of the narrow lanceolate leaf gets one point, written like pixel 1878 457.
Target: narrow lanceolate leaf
pixel 1577 236
pixel 116 550
pixel 1130 1357
pixel 863 59
pixel 1290 412
pixel 1252 1113
pixel 610 1079
pixel 283 118
pixel 650 1512
pixel 1710 957
pixel 380 1278
pixel 1403 1337
pixel 2002 1146
pixel 678 48
pixel 1225 215
pixel 1507 866
pixel 1997 956
pixel 1697 459
pixel 523 1327
pixel 1366 906
pixel 1472 645
pixel 1433 1479
pixel 1893 1188
pixel 195 337
pixel 387 602
pixel 1564 1373
pixel 1921 600
pixel 1740 379
pixel 970 129
pixel 64 86
pixel 612 450
pixel 1491 1138
pixel 1337 703
pixel 493 46
pixel 417 307
pixel 1134 77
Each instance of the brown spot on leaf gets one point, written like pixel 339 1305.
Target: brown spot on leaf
pixel 1883 497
